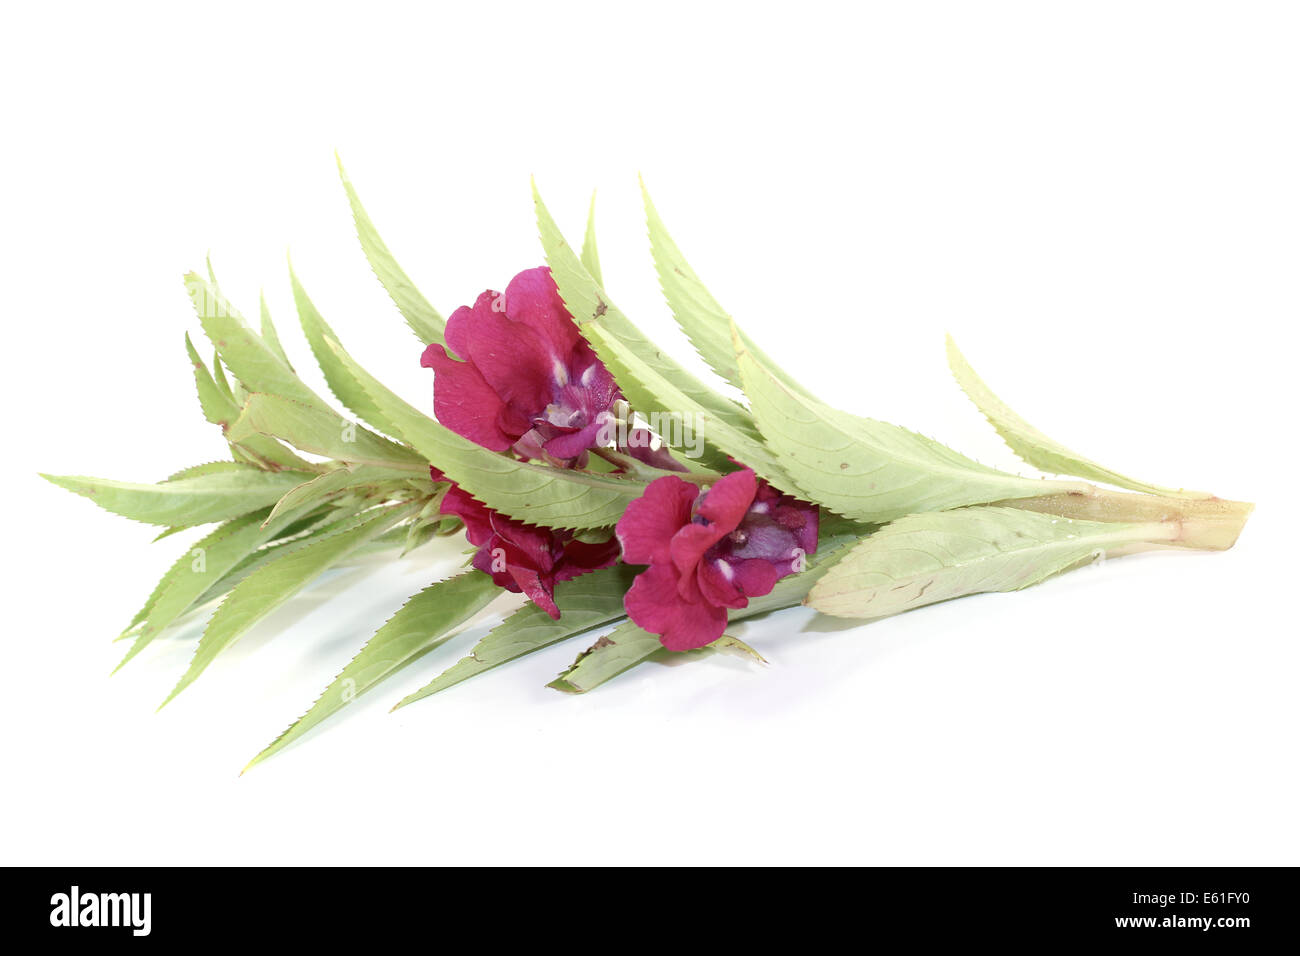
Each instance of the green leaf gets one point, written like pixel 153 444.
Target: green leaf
pixel 423 623
pixel 201 567
pixel 209 468
pixel 925 558
pixel 318 523
pixel 253 363
pixel 1031 444
pixel 867 469
pixel 269 335
pixel 589 601
pixel 621 649
pixel 423 318
pixel 537 494
pixel 653 383
pixel 345 388
pixel 270 586
pixel 309 429
pixel 697 312
pixel 590 255
pixel 332 483
pixel 220 409
pixel 219 377
pixel 185 502
pixel 255 366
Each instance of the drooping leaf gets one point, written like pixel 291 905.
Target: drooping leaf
pixel 552 497
pixel 697 312
pixel 186 502
pixel 424 622
pixel 423 318
pixel 867 469
pixel 1031 444
pixel 309 429
pixel 590 255
pixel 345 388
pixel 925 558
pixel 266 589
pixel 586 602
pixel 653 383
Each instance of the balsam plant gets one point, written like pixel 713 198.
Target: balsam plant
pixel 596 476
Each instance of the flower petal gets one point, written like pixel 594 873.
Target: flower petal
pixel 688 547
pixel 533 299
pixel 515 361
pixel 460 326
pixel 728 498
pixel 653 603
pixel 475 514
pixel 755 577
pixel 717 582
pixel 648 524
pixel 583 556
pixel 532 584
pixel 464 402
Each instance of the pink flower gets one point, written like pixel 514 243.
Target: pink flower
pixel 529 380
pixel 520 557
pixel 709 550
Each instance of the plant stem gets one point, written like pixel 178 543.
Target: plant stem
pixel 1207 524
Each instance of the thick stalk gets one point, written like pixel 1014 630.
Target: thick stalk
pixel 1208 524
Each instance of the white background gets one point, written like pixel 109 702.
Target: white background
pixel 1100 201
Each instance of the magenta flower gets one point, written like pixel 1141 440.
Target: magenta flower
pixel 529 380
pixel 520 557
pixel 709 550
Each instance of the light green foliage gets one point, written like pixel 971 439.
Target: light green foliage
pixel 270 586
pixel 924 558
pixel 269 335
pixel 185 502
pixel 310 429
pixel 368 478
pixel 423 318
pixel 589 601
pixel 345 388
pixel 697 312
pixel 202 567
pixel 866 469
pixel 590 255
pixel 1031 444
pixel 425 621
pixel 219 408
pixel 905 521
